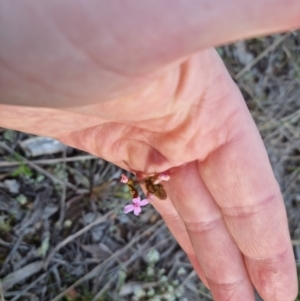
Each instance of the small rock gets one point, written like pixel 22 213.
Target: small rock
pixel 21 199
pixel 12 185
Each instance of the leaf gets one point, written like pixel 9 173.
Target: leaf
pixel 22 170
pixel 20 275
pixel 10 135
pixel 44 247
pixel 98 251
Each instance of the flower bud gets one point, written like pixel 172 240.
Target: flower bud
pixel 124 179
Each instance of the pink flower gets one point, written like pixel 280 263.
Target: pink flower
pixel 124 179
pixel 162 177
pixel 135 206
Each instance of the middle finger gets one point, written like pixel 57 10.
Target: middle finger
pixel 216 250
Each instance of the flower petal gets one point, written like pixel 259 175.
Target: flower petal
pixel 162 177
pixel 136 201
pixel 144 202
pixel 128 208
pixel 124 179
pixel 137 210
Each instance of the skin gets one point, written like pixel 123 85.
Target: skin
pixel 138 84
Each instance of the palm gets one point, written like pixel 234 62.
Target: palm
pixel 191 116
pixel 188 113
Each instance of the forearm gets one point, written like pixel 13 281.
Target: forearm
pixel 58 54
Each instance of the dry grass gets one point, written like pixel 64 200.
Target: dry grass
pixel 62 235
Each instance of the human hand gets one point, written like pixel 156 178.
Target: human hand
pixel 161 105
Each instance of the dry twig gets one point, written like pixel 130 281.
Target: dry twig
pixel 70 238
pixel 38 168
pixel 95 270
pixel 275 44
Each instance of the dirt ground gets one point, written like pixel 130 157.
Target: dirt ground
pixel 63 235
